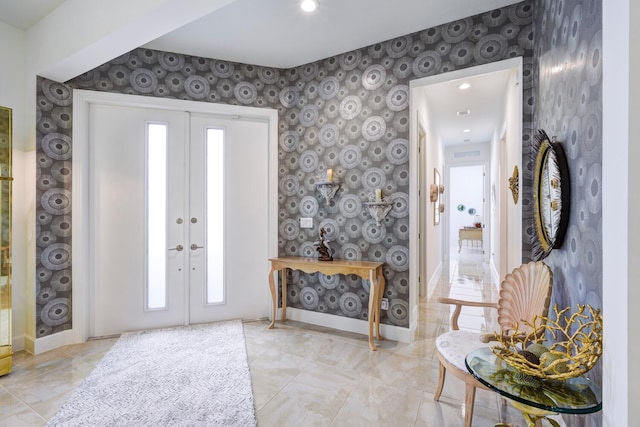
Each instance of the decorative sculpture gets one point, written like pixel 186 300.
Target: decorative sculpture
pixel 324 253
pixel 514 185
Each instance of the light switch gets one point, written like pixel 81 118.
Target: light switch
pixel 306 222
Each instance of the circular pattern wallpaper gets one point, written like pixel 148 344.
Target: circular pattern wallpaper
pixel 349 113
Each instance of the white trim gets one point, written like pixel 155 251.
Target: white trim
pixel 433 280
pixel 51 342
pixel 389 332
pixel 18 342
pixel 82 99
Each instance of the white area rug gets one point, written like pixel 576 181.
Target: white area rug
pixel 186 376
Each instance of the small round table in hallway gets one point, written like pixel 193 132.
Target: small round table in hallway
pixel 535 398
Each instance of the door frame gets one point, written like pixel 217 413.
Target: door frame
pixel 82 99
pixel 416 254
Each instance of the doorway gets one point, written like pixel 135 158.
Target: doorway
pixel 178 206
pixel 466 209
pixel 476 130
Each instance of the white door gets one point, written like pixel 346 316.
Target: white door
pixel 178 214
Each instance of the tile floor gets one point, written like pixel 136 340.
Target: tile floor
pixel 305 375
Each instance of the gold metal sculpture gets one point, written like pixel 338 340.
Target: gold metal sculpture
pixel 5 241
pixel 514 185
pixel 576 348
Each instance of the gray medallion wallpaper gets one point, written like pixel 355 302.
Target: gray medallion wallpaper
pixel 349 113
pixel 568 97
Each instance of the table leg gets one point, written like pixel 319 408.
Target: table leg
pixel 381 285
pixel 533 415
pixel 274 300
pixel 373 310
pixel 283 272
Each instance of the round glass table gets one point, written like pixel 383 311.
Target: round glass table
pixel 535 398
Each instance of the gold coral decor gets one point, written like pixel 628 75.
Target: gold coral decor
pixel 576 346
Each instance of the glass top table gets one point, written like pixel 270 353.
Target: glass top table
pixel 536 397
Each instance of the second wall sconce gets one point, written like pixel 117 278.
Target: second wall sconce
pixel 327 187
pixel 377 207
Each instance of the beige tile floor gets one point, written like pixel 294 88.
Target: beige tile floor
pixel 305 375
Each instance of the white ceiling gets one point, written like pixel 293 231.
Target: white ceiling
pixel 24 14
pixel 277 33
pixel 485 101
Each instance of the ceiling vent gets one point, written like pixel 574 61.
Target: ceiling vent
pixel 463 113
pixel 459 154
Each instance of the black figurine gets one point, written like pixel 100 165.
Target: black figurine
pixel 324 253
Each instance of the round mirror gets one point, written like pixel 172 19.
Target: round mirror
pixel 551 196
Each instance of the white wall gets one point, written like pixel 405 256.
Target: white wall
pixel 620 201
pixel 433 156
pixel 13 95
pixel 513 158
pixel 494 202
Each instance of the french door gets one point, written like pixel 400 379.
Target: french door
pixel 178 216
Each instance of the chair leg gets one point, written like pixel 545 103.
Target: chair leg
pixel 470 396
pixel 441 375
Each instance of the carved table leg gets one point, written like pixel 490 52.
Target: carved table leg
pixel 373 310
pixel 381 285
pixel 274 301
pixel 283 272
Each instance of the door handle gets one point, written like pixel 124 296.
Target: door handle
pixel 194 247
pixel 178 248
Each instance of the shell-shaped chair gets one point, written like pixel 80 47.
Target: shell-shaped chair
pixel 524 293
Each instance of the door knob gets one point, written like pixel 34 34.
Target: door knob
pixel 194 220
pixel 178 248
pixel 194 247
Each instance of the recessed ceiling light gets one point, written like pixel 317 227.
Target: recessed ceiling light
pixel 309 5
pixel 466 130
pixel 464 86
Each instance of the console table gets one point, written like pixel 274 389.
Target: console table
pixel 472 234
pixel 371 271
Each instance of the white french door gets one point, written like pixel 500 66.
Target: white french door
pixel 178 216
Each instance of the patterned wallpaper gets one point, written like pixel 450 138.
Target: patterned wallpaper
pixel 349 113
pixel 568 98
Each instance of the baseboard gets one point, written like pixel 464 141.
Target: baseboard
pixel 433 280
pixel 18 343
pixel 51 342
pixel 389 332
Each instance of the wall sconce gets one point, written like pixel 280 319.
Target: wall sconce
pixel 377 207
pixel 327 187
pixel 433 192
pixel 514 184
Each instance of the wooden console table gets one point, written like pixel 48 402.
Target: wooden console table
pixel 472 234
pixel 371 271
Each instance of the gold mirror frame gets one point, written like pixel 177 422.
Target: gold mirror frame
pixel 5 240
pixel 552 195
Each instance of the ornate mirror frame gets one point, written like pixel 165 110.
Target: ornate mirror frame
pixel 552 195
